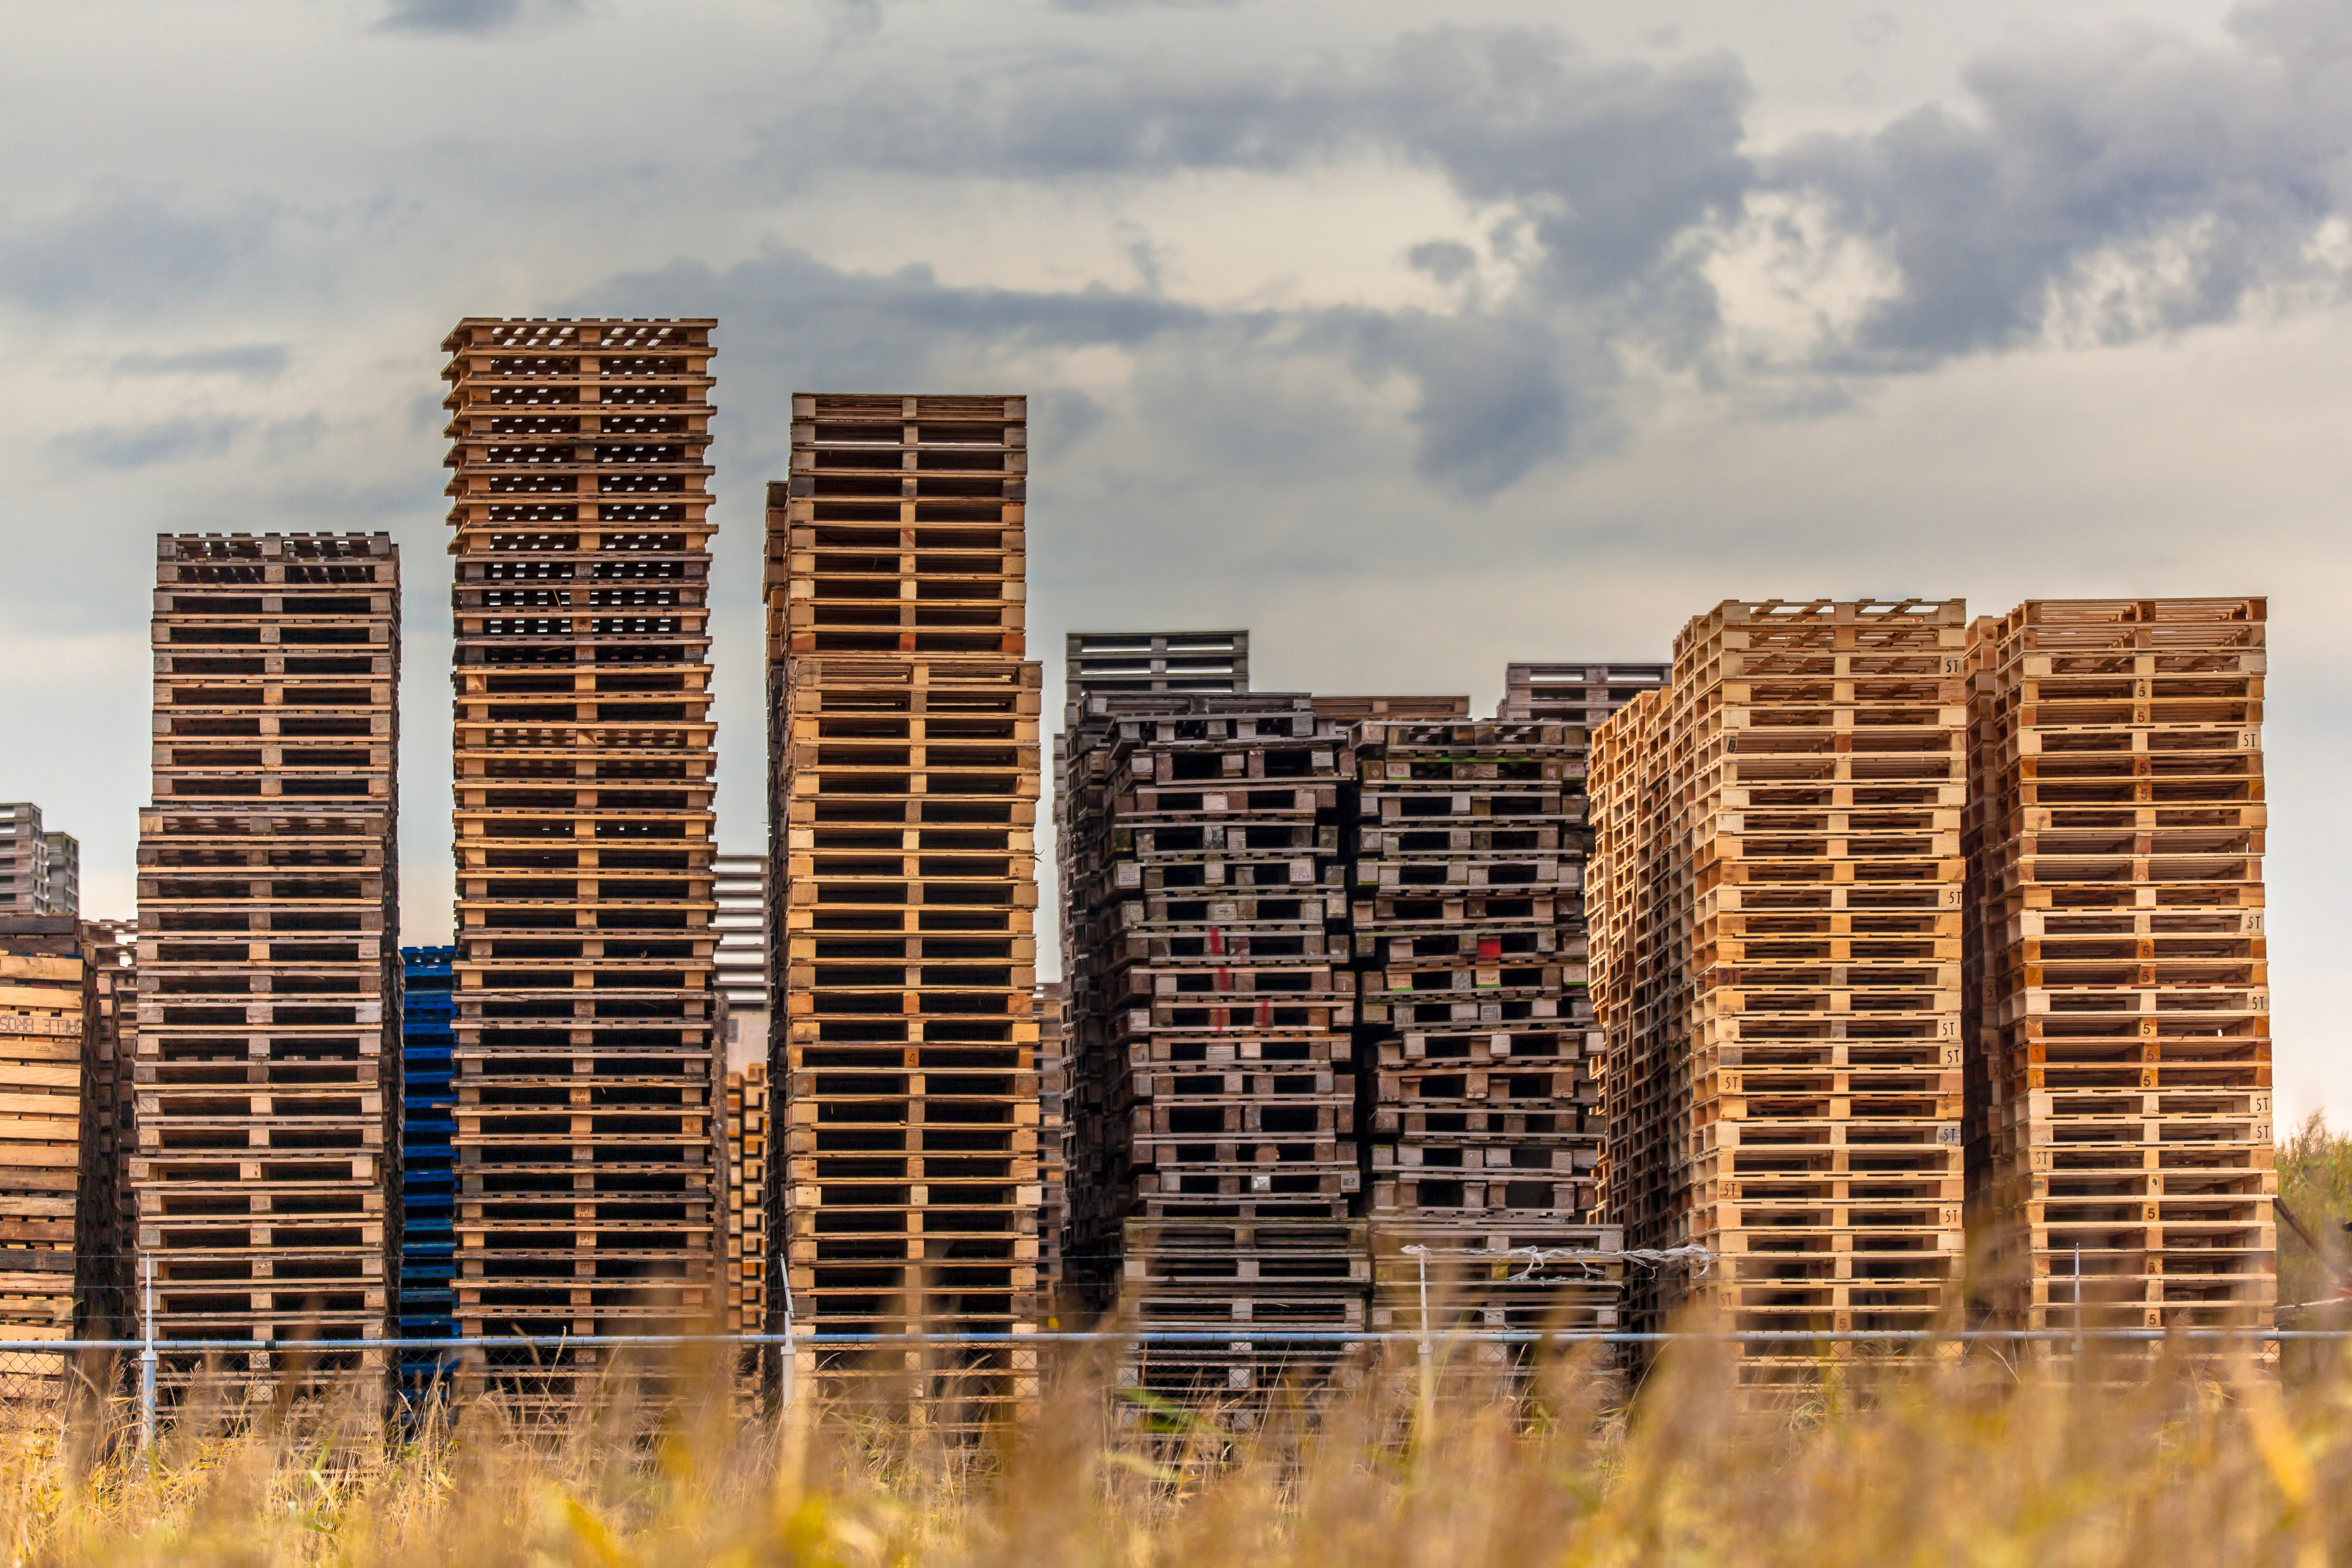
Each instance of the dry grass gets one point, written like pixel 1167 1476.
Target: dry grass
pixel 1966 1463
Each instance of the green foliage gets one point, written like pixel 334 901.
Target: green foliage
pixel 2315 1171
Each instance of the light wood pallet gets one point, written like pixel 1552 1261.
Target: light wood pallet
pixel 748 1132
pixel 265 1063
pixel 47 1000
pixel 1817 772
pixel 1212 1006
pixel 905 769
pixel 2121 1029
pixel 585 1063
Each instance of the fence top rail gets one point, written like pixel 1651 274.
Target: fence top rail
pixel 1170 1337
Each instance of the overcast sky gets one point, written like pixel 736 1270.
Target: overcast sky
pixel 1414 339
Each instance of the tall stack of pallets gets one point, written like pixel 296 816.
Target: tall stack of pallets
pixel 266 1058
pixel 2120 1030
pixel 1483 1120
pixel 748 1125
pixel 585 1057
pixel 106 1222
pixel 47 1014
pixel 1212 1012
pixel 428 1172
pixel 904 771
pixel 1814 774
pixel 1053 1147
pixel 1639 990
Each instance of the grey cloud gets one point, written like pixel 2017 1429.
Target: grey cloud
pixel 246 362
pixel 130 256
pixel 2218 162
pixel 123 446
pixel 1493 400
pixel 468 16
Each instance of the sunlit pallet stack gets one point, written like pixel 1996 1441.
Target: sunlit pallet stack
pixel 1469 936
pixel 905 778
pixel 1813 773
pixel 267 1050
pixel 1211 1008
pixel 748 1129
pixel 47 1003
pixel 586 1071
pixel 2120 1033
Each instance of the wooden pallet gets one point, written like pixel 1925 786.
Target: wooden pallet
pixel 1146 662
pixel 1804 933
pixel 2118 1027
pixel 106 1221
pixel 905 774
pixel 266 1073
pixel 585 1063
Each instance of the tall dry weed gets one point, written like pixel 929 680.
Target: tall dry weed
pixel 2147 1462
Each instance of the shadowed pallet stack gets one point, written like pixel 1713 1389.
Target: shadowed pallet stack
pixel 428 1172
pixel 106 1227
pixel 2120 1032
pixel 40 871
pixel 47 1012
pixel 1053 1148
pixel 586 1063
pixel 904 772
pixel 267 1062
pixel 1640 988
pixel 1146 662
pixel 1469 935
pixel 1814 774
pixel 1211 1012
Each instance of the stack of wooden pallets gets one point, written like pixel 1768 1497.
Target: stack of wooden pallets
pixel 1211 1006
pixel 47 1003
pixel 2119 1032
pixel 1813 774
pixel 266 1057
pixel 1145 662
pixel 1469 937
pixel 1581 694
pixel 1053 1147
pixel 106 1223
pixel 747 1199
pixel 904 770
pixel 585 1063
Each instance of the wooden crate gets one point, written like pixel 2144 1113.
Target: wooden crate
pixel 266 1062
pixel 1806 931
pixel 905 771
pixel 2118 1027
pixel 586 1069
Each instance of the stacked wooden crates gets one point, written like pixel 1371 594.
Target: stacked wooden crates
pixel 904 773
pixel 747 1199
pixel 47 1006
pixel 267 1062
pixel 1810 760
pixel 587 1066
pixel 107 1223
pixel 2119 1028
pixel 1484 1123
pixel 1212 1004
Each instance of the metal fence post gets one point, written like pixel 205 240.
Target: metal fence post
pixel 147 1362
